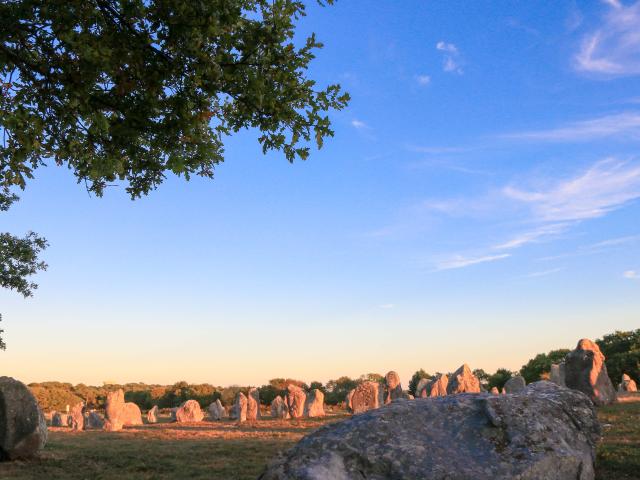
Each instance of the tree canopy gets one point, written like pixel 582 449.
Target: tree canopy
pixel 499 378
pixel 130 90
pixel 133 90
pixel 415 379
pixel 622 354
pixel 540 365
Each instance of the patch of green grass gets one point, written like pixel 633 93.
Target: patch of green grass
pixel 619 452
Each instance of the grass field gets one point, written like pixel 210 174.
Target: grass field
pixel 224 450
pixel 619 452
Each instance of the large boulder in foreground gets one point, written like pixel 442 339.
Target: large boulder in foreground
pixel 23 429
pixel 544 432
pixel 189 412
pixel 585 370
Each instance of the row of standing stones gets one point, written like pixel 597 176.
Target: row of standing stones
pixel 544 430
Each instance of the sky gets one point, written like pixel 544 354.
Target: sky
pixel 479 203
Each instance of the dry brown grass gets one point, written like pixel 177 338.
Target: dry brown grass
pixel 226 450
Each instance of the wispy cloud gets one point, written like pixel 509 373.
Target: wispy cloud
pixel 595 248
pixel 550 211
pixel 359 125
pixel 447 47
pixel 423 80
pixel 631 275
pixel 555 205
pixel 536 235
pixel 614 242
pixel 458 261
pixel 387 305
pixel 613 49
pixel 606 186
pixel 618 125
pixel 451 62
pixel 544 273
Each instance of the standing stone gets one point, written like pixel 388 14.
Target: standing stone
pixel 240 408
pixel 627 384
pixel 60 420
pixel 420 388
pixel 586 371
pixel 189 412
pixel 347 400
pixel 216 410
pixel 437 387
pixel 463 381
pixel 253 404
pixel 77 417
pixel 93 420
pixel 152 415
pixel 119 413
pixel 515 384
pixel 279 408
pixel 366 396
pixel 545 432
pixel 131 414
pixel 314 405
pixel 114 405
pixel 172 413
pixel 556 374
pixel 494 391
pixel 295 399
pixel 23 429
pixel 393 388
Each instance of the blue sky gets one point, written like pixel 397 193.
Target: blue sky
pixel 479 204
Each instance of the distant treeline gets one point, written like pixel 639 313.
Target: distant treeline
pixel 621 349
pixel 57 395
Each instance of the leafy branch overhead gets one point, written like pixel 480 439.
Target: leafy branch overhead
pixel 130 90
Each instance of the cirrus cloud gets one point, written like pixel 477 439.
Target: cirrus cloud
pixel 613 49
